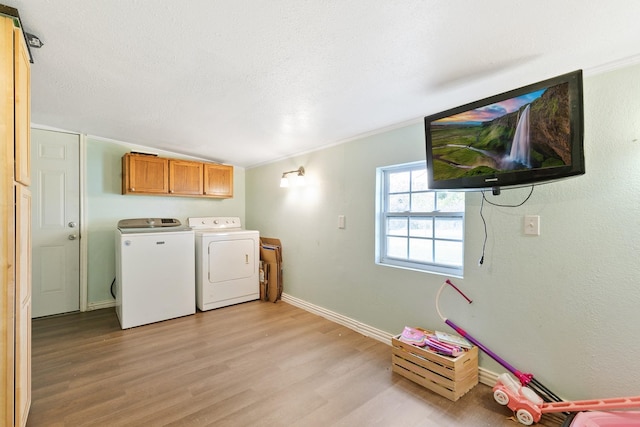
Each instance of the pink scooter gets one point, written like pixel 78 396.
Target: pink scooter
pixel 524 398
pixel 529 407
pixel 525 378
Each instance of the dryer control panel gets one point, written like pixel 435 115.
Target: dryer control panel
pixel 215 222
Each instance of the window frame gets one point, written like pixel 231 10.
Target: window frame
pixel 382 197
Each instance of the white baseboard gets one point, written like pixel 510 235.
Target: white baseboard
pixel 487 377
pixel 100 304
pixel 364 329
pixel 484 376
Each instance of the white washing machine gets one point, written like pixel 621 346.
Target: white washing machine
pixel 227 262
pixel 154 271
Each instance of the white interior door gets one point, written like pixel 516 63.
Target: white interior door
pixel 55 224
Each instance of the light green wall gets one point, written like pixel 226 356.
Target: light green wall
pixel 105 206
pixel 563 305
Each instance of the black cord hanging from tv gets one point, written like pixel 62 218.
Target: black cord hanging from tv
pixel 484 197
pixel 484 221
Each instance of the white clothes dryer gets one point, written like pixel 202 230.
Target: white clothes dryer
pixel 227 262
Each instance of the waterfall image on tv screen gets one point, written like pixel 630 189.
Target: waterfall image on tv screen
pixel 530 131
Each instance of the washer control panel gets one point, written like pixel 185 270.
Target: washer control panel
pixel 148 222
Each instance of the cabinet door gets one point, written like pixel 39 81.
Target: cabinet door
pixel 22 72
pixel 145 174
pixel 185 177
pixel 23 244
pixel 23 363
pixel 23 304
pixel 218 180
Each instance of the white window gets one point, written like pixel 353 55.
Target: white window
pixel 418 228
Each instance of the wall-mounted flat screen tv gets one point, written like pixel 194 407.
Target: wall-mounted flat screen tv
pixel 525 136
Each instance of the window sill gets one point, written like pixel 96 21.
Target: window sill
pixel 438 270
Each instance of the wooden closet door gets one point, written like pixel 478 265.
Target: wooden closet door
pixel 22 85
pixel 23 305
pixel 15 227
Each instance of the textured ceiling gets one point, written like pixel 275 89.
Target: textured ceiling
pixel 246 82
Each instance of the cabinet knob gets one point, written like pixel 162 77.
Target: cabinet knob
pixel 132 189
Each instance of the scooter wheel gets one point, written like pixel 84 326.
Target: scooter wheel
pixel 501 397
pixel 524 417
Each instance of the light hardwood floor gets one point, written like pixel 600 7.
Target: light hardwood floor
pixel 252 364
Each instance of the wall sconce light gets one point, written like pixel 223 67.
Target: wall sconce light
pixel 284 181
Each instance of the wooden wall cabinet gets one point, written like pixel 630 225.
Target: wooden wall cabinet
pixel 185 177
pixel 218 181
pixel 143 174
pixel 15 226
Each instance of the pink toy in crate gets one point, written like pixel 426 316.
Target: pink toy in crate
pixel 421 338
pixel 413 336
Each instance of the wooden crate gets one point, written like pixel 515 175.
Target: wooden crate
pixel 450 377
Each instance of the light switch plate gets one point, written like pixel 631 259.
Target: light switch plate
pixel 532 225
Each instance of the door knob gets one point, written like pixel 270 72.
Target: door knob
pixel 73 236
pixel 72 224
